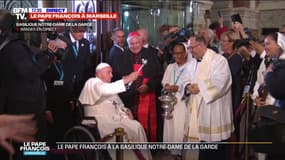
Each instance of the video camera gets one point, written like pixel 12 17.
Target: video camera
pixel 277 64
pixel 177 37
pixel 180 36
pixel 173 38
pixel 241 42
pixel 244 42
pixel 60 42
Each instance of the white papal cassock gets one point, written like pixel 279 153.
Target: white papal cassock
pixel 101 100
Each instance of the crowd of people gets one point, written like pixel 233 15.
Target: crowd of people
pixel 211 73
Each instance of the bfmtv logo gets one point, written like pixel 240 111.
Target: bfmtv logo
pixel 20 13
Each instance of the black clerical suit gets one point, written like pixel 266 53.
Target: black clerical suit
pixel 153 50
pixel 149 76
pixel 151 70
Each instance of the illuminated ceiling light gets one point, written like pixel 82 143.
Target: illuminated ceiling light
pixel 126 13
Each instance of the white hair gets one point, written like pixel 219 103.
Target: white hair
pixel 135 36
pixel 101 66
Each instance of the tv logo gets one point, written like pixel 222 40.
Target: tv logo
pixel 34 149
pixel 20 13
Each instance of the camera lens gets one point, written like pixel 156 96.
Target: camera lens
pixel 60 53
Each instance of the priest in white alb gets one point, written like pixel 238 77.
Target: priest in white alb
pixel 99 98
pixel 210 103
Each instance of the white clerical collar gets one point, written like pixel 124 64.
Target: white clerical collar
pixel 121 48
pixel 252 53
pixel 146 45
pixel 263 54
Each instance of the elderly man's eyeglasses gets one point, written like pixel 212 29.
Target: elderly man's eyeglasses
pixel 192 47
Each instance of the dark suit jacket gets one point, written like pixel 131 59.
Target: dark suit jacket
pixel 235 64
pixel 114 54
pixel 275 82
pixel 21 84
pixel 154 51
pixel 22 89
pixel 77 69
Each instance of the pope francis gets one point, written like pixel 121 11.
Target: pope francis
pixel 99 98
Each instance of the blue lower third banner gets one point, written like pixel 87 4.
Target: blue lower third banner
pixel 35 153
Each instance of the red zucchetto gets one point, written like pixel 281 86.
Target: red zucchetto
pixel 133 34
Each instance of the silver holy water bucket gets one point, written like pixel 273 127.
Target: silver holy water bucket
pixel 168 100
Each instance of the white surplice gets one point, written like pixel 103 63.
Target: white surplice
pixel 101 101
pixel 211 117
pixel 174 129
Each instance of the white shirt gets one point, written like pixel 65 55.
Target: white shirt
pixel 74 41
pixel 121 48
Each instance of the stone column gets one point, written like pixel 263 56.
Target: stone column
pixel 271 15
pixel 243 3
pixel 246 9
pixel 199 10
pixel 104 28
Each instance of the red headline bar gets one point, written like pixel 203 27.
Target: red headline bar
pixel 75 16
